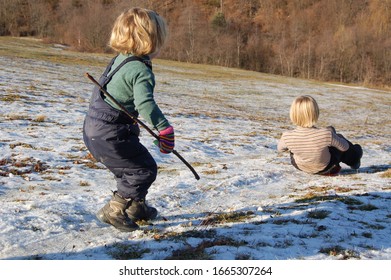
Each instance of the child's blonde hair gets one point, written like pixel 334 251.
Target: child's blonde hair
pixel 138 32
pixel 304 111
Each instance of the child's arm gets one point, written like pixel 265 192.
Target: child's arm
pixel 281 147
pixel 143 93
pixel 339 142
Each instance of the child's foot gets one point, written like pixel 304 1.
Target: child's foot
pixel 139 210
pixel 331 171
pixel 334 171
pixel 113 213
pixel 359 152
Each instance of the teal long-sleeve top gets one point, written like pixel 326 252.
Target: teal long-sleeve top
pixel 133 86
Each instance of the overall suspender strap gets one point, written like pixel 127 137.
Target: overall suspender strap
pixel 129 59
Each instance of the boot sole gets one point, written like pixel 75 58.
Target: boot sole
pixel 102 217
pixel 153 217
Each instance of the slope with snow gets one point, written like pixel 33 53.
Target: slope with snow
pixel 250 203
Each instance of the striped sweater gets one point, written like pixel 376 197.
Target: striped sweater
pixel 309 147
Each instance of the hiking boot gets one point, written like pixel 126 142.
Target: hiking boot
pixel 359 152
pixel 114 213
pixel 139 210
pixel 333 171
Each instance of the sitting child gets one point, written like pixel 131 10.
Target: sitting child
pixel 316 150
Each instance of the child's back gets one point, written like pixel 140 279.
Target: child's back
pixel 316 150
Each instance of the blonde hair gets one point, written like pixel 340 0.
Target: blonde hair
pixel 304 111
pixel 138 32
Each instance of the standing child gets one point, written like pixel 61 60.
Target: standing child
pixel 110 135
pixel 316 150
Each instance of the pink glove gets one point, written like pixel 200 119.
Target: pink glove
pixel 166 140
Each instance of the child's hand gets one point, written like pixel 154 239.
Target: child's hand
pixel 166 140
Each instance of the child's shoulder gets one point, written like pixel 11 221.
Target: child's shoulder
pixel 320 130
pixel 131 62
pixel 134 69
pixel 323 128
pixel 326 130
pixel 308 130
pixel 136 66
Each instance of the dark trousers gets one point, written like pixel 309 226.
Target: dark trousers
pixel 117 146
pixel 349 157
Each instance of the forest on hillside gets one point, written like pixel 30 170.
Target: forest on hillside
pixel 331 40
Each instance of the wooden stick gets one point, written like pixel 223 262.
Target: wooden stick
pixel 134 118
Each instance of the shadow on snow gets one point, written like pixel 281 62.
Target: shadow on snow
pixel 315 227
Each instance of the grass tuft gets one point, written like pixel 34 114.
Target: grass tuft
pixel 223 218
pixel 199 253
pixel 340 251
pixel 40 118
pixel 318 214
pixel 120 251
pixel 386 174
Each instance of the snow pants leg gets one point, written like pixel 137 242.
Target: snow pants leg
pixel 351 157
pixel 135 182
pixel 117 146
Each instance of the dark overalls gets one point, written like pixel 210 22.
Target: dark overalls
pixel 113 139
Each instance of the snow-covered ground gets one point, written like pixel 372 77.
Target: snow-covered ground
pixel 250 203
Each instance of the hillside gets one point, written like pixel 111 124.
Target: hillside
pixel 328 40
pixel 250 203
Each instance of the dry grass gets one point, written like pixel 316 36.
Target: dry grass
pixel 31 48
pixel 40 118
pixel 386 174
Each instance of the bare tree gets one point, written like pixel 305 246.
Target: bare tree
pixel 344 40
